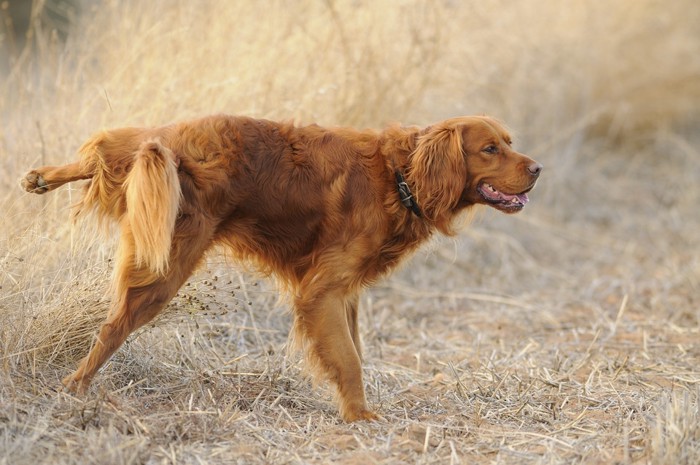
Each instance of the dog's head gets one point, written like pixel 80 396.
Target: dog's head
pixel 469 160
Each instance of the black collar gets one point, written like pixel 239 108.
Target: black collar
pixel 406 196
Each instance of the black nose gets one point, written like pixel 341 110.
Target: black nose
pixel 535 169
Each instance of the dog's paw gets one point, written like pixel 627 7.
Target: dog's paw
pixel 75 385
pixel 353 415
pixel 35 183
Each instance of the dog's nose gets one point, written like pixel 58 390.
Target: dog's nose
pixel 535 169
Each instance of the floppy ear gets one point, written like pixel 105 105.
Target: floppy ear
pixel 438 173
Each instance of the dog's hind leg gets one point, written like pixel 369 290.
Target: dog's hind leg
pixel 140 296
pixel 48 178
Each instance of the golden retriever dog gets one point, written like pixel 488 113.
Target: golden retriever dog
pixel 326 211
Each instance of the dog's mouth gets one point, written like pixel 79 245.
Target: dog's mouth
pixel 506 202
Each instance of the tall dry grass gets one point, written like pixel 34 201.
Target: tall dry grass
pixel 565 334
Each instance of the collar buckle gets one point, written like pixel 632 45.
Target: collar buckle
pixel 406 195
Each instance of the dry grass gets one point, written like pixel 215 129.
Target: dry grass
pixel 566 334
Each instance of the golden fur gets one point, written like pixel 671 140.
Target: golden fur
pixel 316 207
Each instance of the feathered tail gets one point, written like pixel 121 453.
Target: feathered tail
pixel 152 193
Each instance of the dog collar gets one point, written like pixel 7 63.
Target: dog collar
pixel 406 196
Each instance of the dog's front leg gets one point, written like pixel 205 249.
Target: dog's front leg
pixel 321 318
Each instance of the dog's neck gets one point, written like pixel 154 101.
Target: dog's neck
pixel 397 146
pixel 405 194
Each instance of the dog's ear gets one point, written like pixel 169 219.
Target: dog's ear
pixel 437 173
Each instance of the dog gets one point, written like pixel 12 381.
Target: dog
pixel 328 211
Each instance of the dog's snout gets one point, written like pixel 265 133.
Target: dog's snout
pixel 535 168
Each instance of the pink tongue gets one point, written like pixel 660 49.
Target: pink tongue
pixel 522 197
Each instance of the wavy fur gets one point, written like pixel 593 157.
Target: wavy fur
pixel 152 193
pixel 318 208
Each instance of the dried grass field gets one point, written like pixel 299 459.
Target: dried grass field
pixel 569 333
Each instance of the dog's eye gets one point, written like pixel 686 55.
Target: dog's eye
pixel 490 149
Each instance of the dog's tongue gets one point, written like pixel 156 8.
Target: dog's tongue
pixel 522 198
pixel 492 193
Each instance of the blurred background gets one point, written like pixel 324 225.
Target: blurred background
pixel 605 94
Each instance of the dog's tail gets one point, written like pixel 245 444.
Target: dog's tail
pixel 152 194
